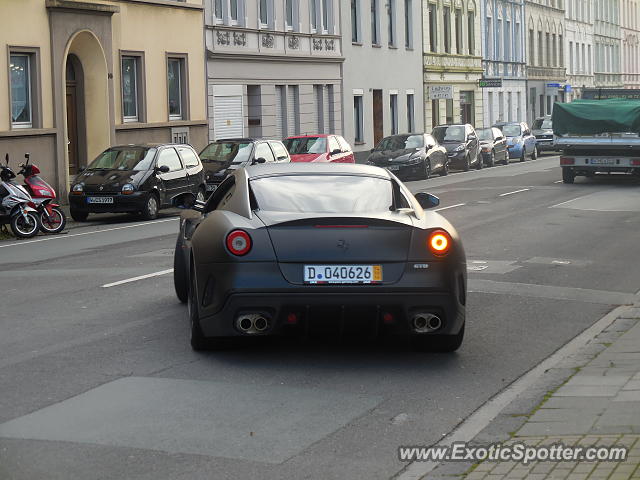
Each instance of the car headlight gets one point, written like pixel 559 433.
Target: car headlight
pixel 459 148
pixel 414 160
pixel 128 189
pixel 78 188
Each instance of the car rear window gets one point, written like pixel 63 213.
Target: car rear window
pixel 323 193
pixel 542 123
pixel 302 145
pixel 233 152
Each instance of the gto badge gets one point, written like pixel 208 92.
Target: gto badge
pixel 420 266
pixel 343 245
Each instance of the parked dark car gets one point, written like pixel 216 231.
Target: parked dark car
pixel 319 148
pixel 222 157
pixel 461 142
pixel 315 247
pixel 410 155
pixel 520 142
pixel 136 179
pixel 493 146
pixel 542 129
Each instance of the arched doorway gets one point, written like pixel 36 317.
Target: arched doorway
pixel 88 122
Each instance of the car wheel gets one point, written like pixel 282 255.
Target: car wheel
pixel 198 340
pixel 467 164
pixel 506 158
pixel 534 154
pixel 523 157
pixel 568 176
pixel 426 174
pixel 480 161
pixel 445 169
pixel 79 216
pixel 150 210
pixel 492 159
pixel 180 280
pixel 438 343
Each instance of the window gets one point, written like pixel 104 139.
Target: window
pixel 130 89
pixel 168 157
pixel 433 28
pixel 289 13
pixel 264 13
pixel 571 69
pixel 326 16
pixel 408 30
pixel 21 78
pixel 355 21
pixel 313 8
pixel 540 49
pixel 189 157
pixel 391 19
pixel 458 22
pixel 471 33
pixel 375 32
pixel 320 108
pixel 334 145
pixel 516 53
pixel 217 10
pixel 358 124
pixel 410 113
pixel 489 38
pixel 393 106
pixel 279 151
pixel 532 43
pixel 561 44
pixel 449 110
pixel 176 82
pixel 435 113
pixel 447 29
pixel 263 151
pixel 344 145
pixel 233 11
pixel 554 48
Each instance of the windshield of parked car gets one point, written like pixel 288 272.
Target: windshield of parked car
pixel 511 130
pixel 401 142
pixel 303 145
pixel 323 193
pixel 124 158
pixel 542 124
pixel 449 134
pixel 227 152
pixel 485 134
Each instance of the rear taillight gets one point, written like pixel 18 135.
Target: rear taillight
pixel 635 162
pixel 567 160
pixel 439 242
pixel 238 242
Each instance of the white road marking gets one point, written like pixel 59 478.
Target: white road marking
pixel 135 279
pixel 559 181
pixel 63 237
pixel 450 206
pixel 515 191
pixel 568 201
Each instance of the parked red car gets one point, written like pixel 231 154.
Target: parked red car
pixel 319 148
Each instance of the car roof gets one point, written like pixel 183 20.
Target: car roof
pixel 244 140
pixel 151 145
pixel 268 169
pixel 323 135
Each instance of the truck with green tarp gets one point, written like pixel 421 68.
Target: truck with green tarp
pixel 597 136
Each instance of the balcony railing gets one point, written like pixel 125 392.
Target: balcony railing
pixel 456 63
pixel 546 73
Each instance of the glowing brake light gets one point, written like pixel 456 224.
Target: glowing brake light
pixel 238 242
pixel 567 161
pixel 439 242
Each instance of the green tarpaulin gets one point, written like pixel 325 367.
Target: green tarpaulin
pixel 585 117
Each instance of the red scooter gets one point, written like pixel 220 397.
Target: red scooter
pixel 52 218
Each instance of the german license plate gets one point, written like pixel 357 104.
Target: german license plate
pixel 394 167
pixel 600 161
pixel 99 199
pixel 211 188
pixel 342 274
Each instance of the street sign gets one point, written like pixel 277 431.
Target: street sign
pixel 437 92
pixel 490 83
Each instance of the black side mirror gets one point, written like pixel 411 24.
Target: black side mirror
pixel 337 151
pixel 372 150
pixel 184 200
pixel 163 169
pixel 81 169
pixel 259 160
pixel 27 155
pixel 427 200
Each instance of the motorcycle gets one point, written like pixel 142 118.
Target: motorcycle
pixel 16 207
pixel 52 218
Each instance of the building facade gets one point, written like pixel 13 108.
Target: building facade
pixel 607 43
pixel 382 75
pixel 630 37
pixel 579 47
pixel 504 57
pixel 273 68
pixel 90 74
pixel 452 62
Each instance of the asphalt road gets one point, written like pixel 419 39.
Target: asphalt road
pixel 99 381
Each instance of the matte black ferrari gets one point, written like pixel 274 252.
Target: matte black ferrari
pixel 332 248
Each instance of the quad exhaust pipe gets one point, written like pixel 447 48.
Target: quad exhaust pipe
pixel 252 323
pixel 426 322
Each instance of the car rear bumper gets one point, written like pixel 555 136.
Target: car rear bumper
pixel 121 203
pixel 515 151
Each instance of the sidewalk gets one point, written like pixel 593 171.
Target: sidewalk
pixel 598 405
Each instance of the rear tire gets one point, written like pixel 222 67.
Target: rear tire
pixel 568 176
pixel 25 227
pixel 492 159
pixel 79 216
pixel 56 222
pixel 426 174
pixel 445 168
pixel 523 157
pixel 180 279
pixel 480 161
pixel 438 343
pixel 151 206
pixel 534 154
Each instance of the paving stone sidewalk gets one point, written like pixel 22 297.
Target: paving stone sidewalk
pixel 598 405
